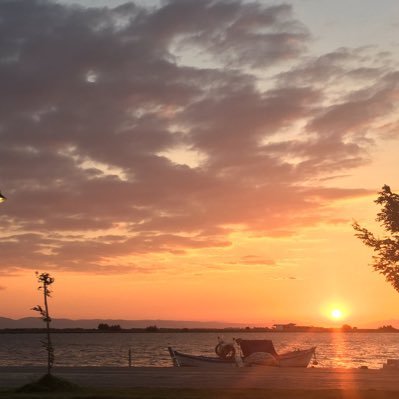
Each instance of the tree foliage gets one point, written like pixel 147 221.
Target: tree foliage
pixel 107 327
pixel 386 249
pixel 45 280
pixel 153 328
pixel 387 328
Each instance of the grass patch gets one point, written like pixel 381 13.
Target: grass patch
pixel 48 383
pixel 146 393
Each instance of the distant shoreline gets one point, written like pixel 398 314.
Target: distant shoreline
pixel 192 330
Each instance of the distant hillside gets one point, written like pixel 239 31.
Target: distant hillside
pixel 34 322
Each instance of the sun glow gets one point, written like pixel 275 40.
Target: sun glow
pixel 336 314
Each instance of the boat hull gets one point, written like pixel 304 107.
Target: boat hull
pixel 297 358
pixel 186 360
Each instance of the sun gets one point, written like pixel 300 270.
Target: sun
pixel 336 314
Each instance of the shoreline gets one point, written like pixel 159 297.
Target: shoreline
pixel 188 330
pixel 306 379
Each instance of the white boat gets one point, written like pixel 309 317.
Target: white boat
pixel 253 353
pixel 297 358
pixel 184 360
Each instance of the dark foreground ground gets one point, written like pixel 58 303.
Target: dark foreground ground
pixel 207 394
pixel 195 383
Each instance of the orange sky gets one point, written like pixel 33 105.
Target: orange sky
pixel 169 165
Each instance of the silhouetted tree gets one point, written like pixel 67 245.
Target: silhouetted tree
pixel 45 280
pixel 103 326
pixel 388 328
pixel 346 327
pixel 152 329
pixel 386 249
pixel 115 327
pixel 107 327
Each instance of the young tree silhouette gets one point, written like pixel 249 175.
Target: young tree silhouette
pixel 386 249
pixel 45 280
pixel 49 382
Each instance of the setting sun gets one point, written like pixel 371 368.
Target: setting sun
pixel 336 314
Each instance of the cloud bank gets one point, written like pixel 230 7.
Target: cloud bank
pixel 130 131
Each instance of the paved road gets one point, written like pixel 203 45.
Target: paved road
pixel 257 377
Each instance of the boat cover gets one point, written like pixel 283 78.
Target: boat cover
pixel 249 346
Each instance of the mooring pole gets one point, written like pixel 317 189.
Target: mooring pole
pixel 130 357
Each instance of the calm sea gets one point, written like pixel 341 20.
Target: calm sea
pixel 150 349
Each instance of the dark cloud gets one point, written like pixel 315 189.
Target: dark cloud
pixel 97 99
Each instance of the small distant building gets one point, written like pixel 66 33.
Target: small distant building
pixel 284 327
pixel 292 327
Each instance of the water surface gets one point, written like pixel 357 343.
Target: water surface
pixel 150 349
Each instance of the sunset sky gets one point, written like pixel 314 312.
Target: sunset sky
pixel 197 159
